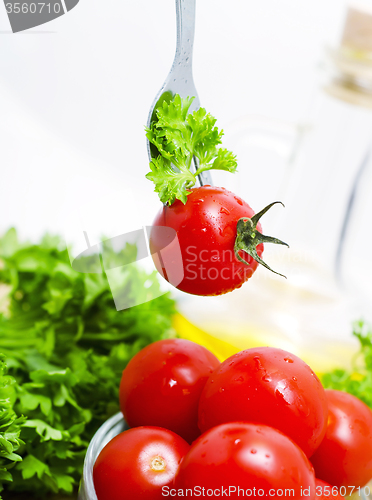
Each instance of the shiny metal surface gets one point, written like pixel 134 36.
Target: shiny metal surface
pixel 180 79
pixel 111 428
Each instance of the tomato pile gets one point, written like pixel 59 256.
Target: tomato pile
pixel 260 424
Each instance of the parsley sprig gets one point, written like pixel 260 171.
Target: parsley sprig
pixel 10 426
pixel 357 381
pixel 66 346
pixel 178 137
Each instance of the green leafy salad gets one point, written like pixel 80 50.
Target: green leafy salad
pixel 63 348
pixel 358 381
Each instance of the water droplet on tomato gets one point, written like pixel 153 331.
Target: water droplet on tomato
pixel 288 360
pixel 204 229
pixel 238 200
pixel 302 407
pixel 253 451
pixel 221 389
pixel 267 456
pixel 282 397
pixel 224 210
pixel 294 379
pixel 237 441
pixel 239 379
pixel 295 478
pixel 258 363
pixel 266 378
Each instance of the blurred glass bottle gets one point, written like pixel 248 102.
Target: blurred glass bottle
pixel 325 183
pixel 352 82
pixel 327 193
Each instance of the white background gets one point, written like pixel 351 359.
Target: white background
pixel 75 94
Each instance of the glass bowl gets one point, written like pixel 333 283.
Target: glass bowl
pixel 111 428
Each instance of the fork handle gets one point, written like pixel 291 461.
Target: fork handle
pixel 185 11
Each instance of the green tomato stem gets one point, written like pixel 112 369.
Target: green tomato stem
pixel 248 237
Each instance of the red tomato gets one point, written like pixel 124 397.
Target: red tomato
pixel 161 386
pixel 325 491
pixel 269 386
pixel 344 457
pixel 137 463
pixel 255 458
pixel 206 231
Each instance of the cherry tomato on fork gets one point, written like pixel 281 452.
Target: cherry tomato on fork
pixel 213 260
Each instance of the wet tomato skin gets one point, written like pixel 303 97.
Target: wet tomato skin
pixel 269 386
pixel 247 455
pixel 206 231
pixel 161 386
pixel 344 458
pixel 137 463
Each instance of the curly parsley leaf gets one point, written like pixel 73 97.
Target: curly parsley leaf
pixel 179 137
pixel 169 183
pixel 66 346
pixel 10 426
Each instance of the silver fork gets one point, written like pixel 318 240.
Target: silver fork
pixel 180 80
